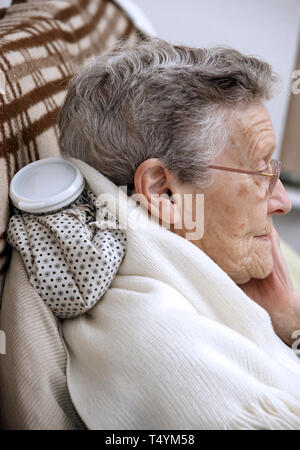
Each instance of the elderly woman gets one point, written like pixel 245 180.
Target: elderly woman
pixel 166 121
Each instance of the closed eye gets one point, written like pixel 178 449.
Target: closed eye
pixel 263 167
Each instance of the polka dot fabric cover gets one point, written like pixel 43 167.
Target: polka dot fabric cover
pixel 70 257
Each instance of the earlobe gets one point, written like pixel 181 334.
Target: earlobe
pixel 160 207
pixel 167 209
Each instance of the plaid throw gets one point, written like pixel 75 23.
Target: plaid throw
pixel 42 45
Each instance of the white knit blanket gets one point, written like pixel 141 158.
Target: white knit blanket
pixel 175 343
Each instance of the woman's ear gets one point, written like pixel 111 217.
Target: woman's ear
pixel 157 189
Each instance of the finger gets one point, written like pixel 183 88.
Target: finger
pixel 275 236
pixel 280 268
pixel 276 251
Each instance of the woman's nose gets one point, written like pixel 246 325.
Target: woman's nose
pixel 279 202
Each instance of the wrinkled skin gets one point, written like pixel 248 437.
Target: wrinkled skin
pixel 237 209
pixel 277 295
pixel 237 206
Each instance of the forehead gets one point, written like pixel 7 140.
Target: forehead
pixel 252 132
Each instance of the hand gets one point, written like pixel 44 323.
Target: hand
pixel 277 295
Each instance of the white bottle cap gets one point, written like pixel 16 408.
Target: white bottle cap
pixel 46 185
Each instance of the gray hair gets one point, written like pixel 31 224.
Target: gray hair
pixel 158 100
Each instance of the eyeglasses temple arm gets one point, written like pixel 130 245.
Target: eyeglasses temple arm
pixel 250 172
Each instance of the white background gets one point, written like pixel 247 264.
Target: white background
pixel 263 28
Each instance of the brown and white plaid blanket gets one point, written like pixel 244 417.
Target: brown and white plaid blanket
pixel 42 45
